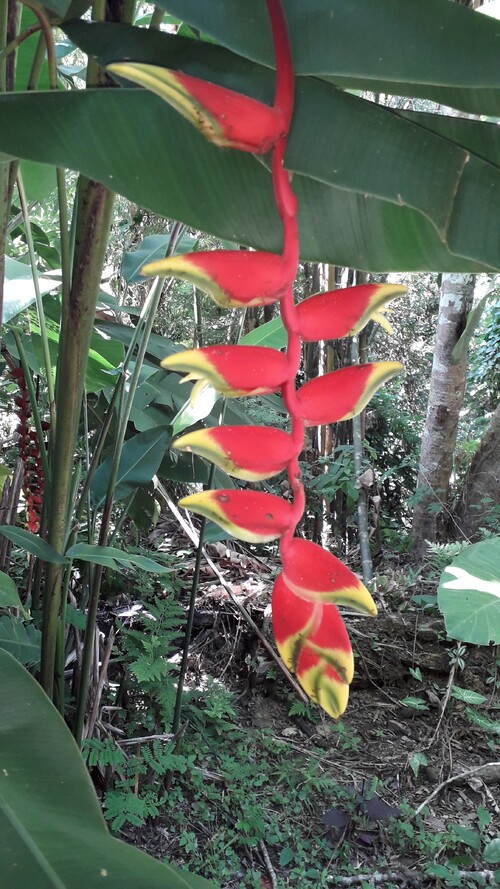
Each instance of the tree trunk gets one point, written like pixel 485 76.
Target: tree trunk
pixel 481 493
pixel 446 393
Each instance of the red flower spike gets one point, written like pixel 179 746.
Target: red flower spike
pixel 316 575
pixel 233 278
pixel 233 370
pixel 225 117
pixel 343 394
pixel 339 313
pixel 248 515
pixel 251 453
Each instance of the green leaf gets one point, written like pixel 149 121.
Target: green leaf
pixel 104 357
pixel 158 346
pixel 75 617
pixel 414 703
pixel 196 409
pixel 416 760
pixel 32 544
pixel 21 640
pixel 39 180
pixel 19 291
pixel 404 160
pixel 484 722
pixel 25 56
pixel 286 856
pixel 469 594
pixel 144 509
pixel 185 468
pixel 459 350
pixel 9 597
pixel 151 248
pixel 467 835
pixel 491 854
pixel 272 334
pixel 53 832
pixel 140 458
pixel 467 695
pixel 59 7
pixel 400 49
pixel 375 192
pixel 111 557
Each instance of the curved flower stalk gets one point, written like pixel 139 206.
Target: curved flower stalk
pixel 309 631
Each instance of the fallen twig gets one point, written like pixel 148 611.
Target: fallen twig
pixel 270 868
pixel 453 780
pixel 144 739
pixel 411 878
pixel 100 684
pixel 444 704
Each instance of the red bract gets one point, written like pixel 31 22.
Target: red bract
pixel 251 453
pixel 233 370
pixel 314 574
pixel 322 683
pixel 247 515
pixel 339 313
pixel 313 642
pixel 233 278
pixel 225 117
pixel 343 394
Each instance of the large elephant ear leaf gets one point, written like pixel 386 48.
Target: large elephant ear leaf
pixel 53 832
pixel 469 594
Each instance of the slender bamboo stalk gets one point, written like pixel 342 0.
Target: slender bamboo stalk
pixel 188 631
pixel 357 438
pixel 38 299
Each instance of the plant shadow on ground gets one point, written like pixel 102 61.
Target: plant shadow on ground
pixel 261 790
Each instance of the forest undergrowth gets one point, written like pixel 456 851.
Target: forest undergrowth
pixel 260 789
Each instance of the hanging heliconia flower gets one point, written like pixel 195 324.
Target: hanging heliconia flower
pixel 224 117
pixel 249 515
pixel 339 313
pixel 309 631
pixel 343 394
pixel 233 278
pixel 251 453
pixel 233 370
